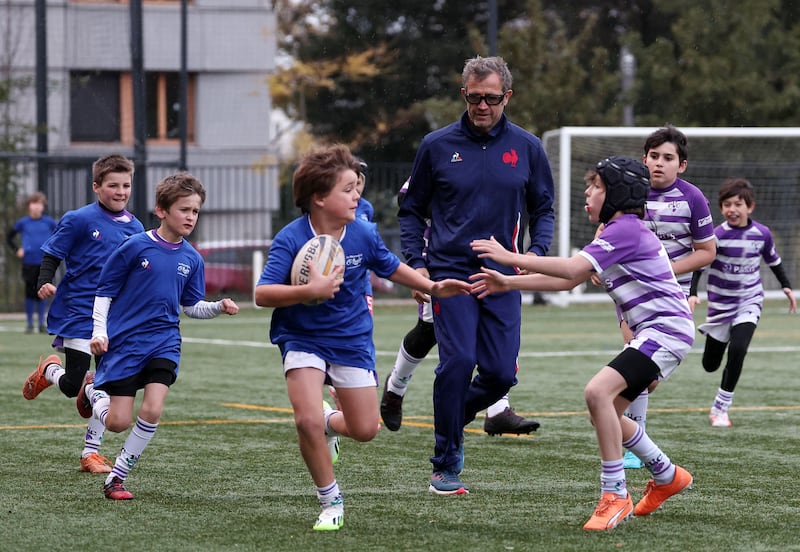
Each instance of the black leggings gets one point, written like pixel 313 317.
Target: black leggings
pixel 419 341
pixel 741 335
pixel 76 364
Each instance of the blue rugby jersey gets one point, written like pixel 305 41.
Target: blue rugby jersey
pixel 34 233
pixel 340 329
pixel 149 280
pixel 83 239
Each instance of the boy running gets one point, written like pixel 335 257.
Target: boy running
pixel 142 290
pixel 83 240
pixel 637 274
pixel 735 292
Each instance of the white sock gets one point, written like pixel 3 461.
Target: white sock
pixel 403 371
pixel 612 478
pixel 723 400
pixel 328 412
pixel 100 403
pixel 129 454
pixel 655 460
pixel 637 410
pixel 94 436
pixel 53 373
pixel 329 494
pixel 498 407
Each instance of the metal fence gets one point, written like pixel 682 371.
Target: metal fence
pixel 244 202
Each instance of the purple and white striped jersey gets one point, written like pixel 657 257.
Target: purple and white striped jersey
pixel 637 274
pixel 679 215
pixel 734 277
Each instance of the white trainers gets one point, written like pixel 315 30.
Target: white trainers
pixel 333 440
pixel 719 418
pixel 332 517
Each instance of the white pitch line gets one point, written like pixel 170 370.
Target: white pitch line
pixel 530 354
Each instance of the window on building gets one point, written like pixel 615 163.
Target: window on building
pixel 101 107
pixel 94 106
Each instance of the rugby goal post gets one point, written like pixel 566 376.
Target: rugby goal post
pixel 766 156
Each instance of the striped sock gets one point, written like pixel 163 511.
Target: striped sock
pixel 654 459
pixel 137 440
pixel 723 400
pixel 612 478
pixel 329 494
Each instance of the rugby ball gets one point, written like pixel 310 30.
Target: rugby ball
pixel 325 251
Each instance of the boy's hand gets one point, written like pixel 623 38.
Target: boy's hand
pixel 229 306
pixel 792 301
pixel 491 249
pixel 693 300
pixel 488 281
pixel 46 291
pixel 99 344
pixel 324 287
pixel 450 287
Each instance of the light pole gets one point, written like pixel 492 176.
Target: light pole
pixel 627 67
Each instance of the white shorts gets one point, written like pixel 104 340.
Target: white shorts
pixel 336 375
pixel 75 343
pixel 664 359
pixel 426 312
pixel 721 331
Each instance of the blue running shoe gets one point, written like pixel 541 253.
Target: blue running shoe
pixel 631 462
pixel 446 482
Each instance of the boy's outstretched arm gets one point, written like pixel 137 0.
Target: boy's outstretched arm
pixel 489 281
pixel 575 269
pixel 410 278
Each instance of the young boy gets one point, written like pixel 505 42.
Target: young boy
pixel 735 293
pixel 34 229
pixel 83 240
pixel 637 274
pixel 679 214
pixel 138 332
pixel 331 342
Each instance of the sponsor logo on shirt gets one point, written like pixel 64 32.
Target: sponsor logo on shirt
pixel 184 269
pixel 145 264
pixel 96 234
pixel 456 157
pixel 604 245
pixel 705 220
pixel 352 261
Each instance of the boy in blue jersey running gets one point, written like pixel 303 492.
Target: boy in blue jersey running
pixel 331 342
pixel 140 340
pixel 638 275
pixel 83 240
pixel 33 229
pixel 735 291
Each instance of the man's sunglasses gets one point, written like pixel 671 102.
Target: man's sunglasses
pixel 490 99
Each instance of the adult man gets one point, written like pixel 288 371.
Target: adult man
pixel 474 179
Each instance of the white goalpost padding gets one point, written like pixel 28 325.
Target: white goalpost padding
pixel 767 156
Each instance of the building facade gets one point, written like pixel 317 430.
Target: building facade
pixel 231 47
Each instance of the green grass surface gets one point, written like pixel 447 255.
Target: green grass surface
pixel 224 472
